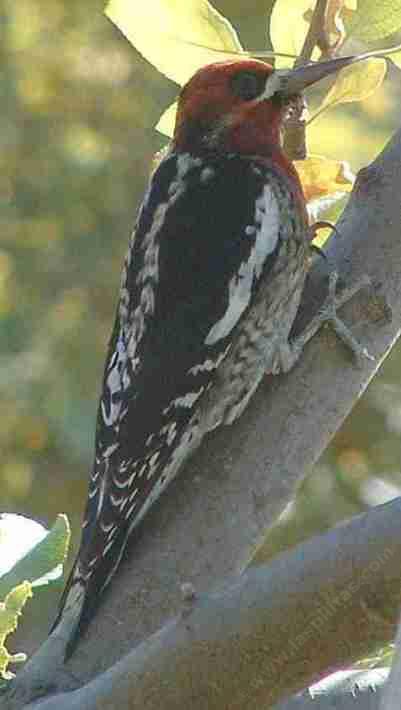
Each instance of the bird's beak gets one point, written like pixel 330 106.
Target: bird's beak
pixel 294 81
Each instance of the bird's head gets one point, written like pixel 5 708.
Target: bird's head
pixel 238 106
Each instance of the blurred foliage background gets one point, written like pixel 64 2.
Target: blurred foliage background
pixel 78 106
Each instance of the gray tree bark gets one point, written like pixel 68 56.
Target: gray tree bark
pixel 269 632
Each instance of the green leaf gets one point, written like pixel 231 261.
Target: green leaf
pixel 374 20
pixel 354 83
pixel 10 610
pixel 288 28
pixel 18 535
pixel 43 563
pixel 177 37
pixel 166 121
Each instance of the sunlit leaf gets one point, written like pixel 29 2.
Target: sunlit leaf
pixel 381 103
pixel 10 610
pixel 374 20
pixel 321 176
pixel 42 555
pixel 354 83
pixel 325 208
pixel 18 535
pixel 396 58
pixel 47 558
pixel 168 33
pixel 289 24
pixel 166 122
pixel 324 182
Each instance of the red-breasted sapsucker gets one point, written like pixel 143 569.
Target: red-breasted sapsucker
pixel 210 289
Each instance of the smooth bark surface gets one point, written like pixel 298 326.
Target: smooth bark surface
pixel 276 628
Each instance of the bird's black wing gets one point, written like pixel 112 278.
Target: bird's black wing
pixel 206 234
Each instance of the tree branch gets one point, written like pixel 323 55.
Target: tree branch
pixel 315 33
pixel 274 629
pixel 209 520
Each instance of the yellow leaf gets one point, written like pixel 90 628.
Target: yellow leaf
pixel 166 121
pixel 354 83
pixel 289 24
pixel 177 37
pixel 10 610
pixel 321 176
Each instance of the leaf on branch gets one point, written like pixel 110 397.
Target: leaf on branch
pixel 289 24
pixel 321 176
pixel 396 58
pixel 166 121
pixel 18 535
pixel 374 20
pixel 10 610
pixel 40 553
pixel 176 37
pixel 354 83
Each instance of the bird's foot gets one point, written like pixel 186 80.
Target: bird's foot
pixel 328 315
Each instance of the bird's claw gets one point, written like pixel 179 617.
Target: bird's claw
pixel 328 314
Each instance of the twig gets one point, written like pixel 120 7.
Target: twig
pixel 315 33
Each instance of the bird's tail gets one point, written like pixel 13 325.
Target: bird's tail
pixel 73 609
pixel 83 592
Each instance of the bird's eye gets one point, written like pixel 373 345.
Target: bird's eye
pixel 247 86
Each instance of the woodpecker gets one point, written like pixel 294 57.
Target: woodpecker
pixel 210 289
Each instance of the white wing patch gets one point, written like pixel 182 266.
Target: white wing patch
pixel 267 219
pixel 267 224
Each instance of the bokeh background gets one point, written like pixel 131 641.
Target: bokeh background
pixel 77 110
